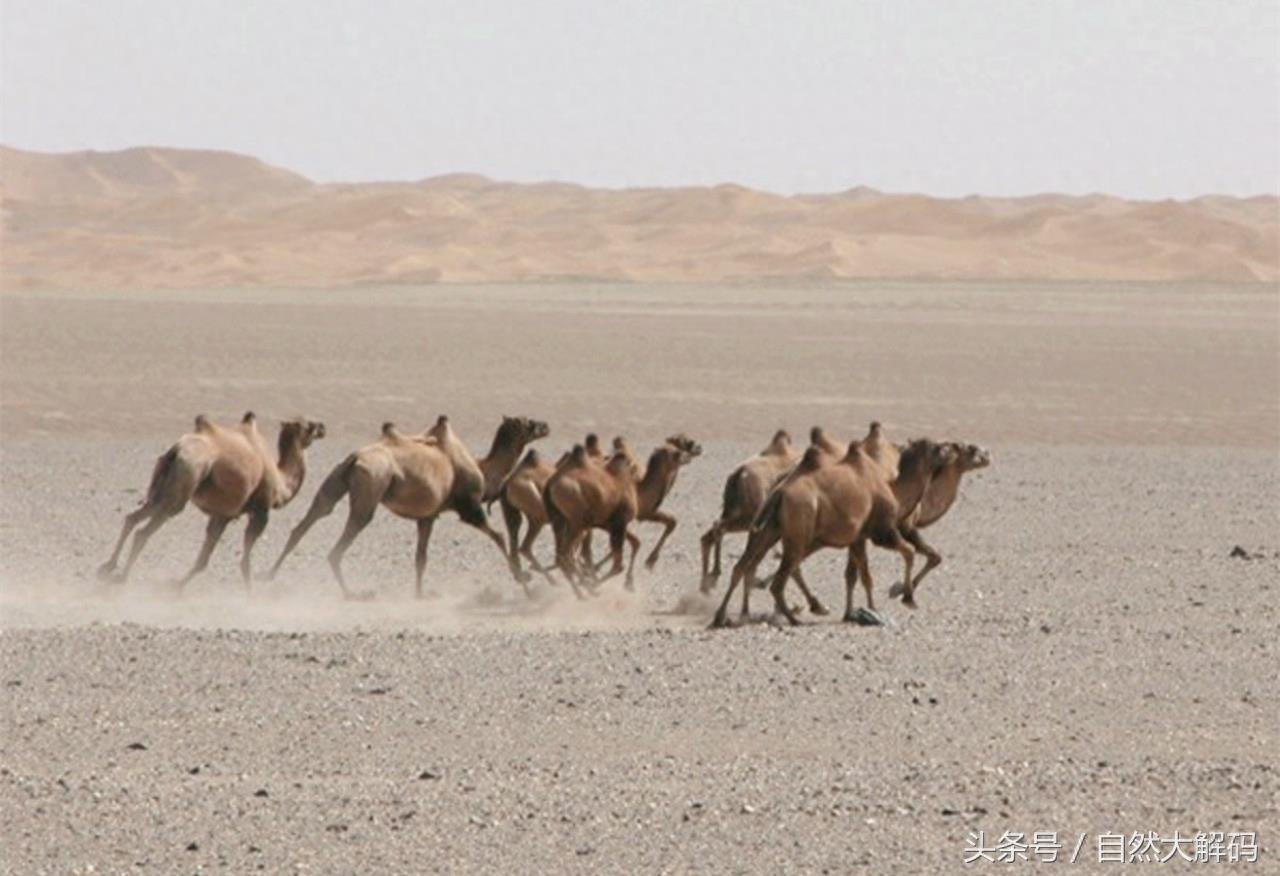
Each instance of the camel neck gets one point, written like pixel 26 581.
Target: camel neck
pixel 659 477
pixel 941 494
pixel 292 463
pixel 503 455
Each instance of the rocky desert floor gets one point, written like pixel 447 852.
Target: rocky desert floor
pixel 1090 659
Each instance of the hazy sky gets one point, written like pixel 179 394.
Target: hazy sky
pixel 1150 99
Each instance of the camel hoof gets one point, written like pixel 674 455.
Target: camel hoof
pixel 720 622
pixel 427 595
pixel 523 577
pixel 708 583
pixel 783 619
pixel 910 602
pixel 897 590
pixel 108 574
pixel 817 608
pixel 362 596
pixel 864 617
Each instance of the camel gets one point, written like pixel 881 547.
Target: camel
pixel 744 495
pixel 225 471
pixel 581 496
pixel 417 478
pixel 837 503
pixel 750 484
pixel 521 498
pixel 942 493
pixel 656 483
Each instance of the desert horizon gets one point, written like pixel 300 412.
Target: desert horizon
pixel 152 217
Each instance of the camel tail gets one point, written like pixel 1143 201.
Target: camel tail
pixel 336 485
pixel 160 476
pixel 731 500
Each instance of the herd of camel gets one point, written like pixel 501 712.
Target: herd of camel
pixel 831 495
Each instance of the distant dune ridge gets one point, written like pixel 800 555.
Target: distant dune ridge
pixel 177 218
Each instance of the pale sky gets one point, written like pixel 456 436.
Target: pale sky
pixel 1168 98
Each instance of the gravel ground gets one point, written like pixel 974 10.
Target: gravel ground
pixel 1090 658
pixel 1064 673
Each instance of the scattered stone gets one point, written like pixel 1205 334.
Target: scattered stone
pixel 136 746
pixel 193 846
pixel 748 809
pixel 947 810
pixel 1238 552
pixel 261 792
pixel 428 775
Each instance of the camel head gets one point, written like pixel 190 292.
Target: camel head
pixel 303 431
pixel 522 430
pixel 686 446
pixel 927 457
pixel 971 456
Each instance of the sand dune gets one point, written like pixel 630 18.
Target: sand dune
pixel 171 218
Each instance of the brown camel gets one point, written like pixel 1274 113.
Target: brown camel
pixel 942 493
pixel 837 503
pixel 225 471
pixel 656 483
pixel 521 498
pixel 415 477
pixel 744 495
pixel 581 495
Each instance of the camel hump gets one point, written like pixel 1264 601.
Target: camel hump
pixel 816 435
pixel 202 423
pixel 249 417
pixel 812 459
pixel 578 455
pixel 531 458
pixel 854 452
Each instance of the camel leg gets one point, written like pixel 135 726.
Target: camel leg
pixel 617 537
pixel 858 559
pixel 933 559
pixel 566 554
pixel 758 545
pixel 212 534
pixel 790 562
pixel 131 520
pixel 357 519
pixel 511 516
pixel 815 606
pixel 140 539
pixel 899 544
pixel 851 568
pixel 320 508
pixel 420 558
pixel 669 523
pixel 634 541
pixel 474 516
pixel 252 532
pixel 710 542
pixel 526 548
